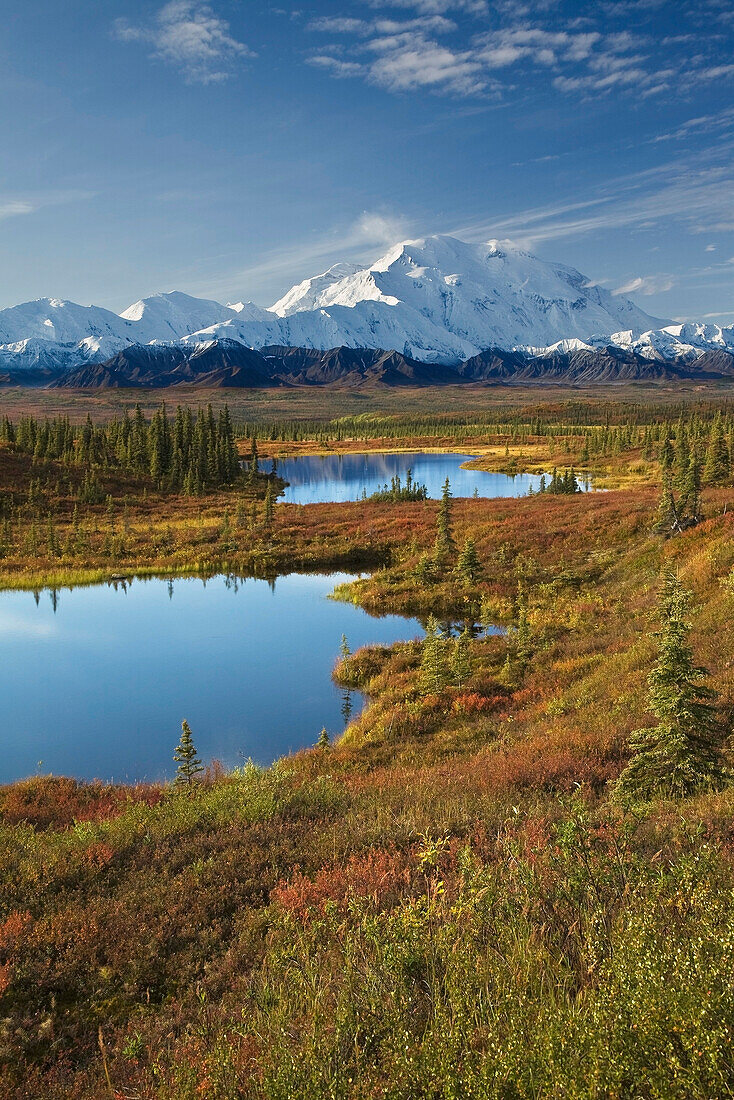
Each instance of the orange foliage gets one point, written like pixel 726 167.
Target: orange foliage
pixel 380 876
pixel 11 933
pixel 475 704
pixel 56 801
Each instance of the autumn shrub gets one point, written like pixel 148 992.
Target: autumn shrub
pixel 55 801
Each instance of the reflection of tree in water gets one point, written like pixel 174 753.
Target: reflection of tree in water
pixel 347 705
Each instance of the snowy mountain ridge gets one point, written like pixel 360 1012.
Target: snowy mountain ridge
pixel 436 300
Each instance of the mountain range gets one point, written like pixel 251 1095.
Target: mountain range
pixel 430 310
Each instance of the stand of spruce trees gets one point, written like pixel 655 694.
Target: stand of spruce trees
pixel 189 454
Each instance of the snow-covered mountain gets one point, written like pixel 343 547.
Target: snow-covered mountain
pixel 437 300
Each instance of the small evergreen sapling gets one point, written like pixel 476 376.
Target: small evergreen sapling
pixel 469 566
pixel 189 764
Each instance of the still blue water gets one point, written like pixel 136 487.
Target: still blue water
pixel 98 687
pixel 316 478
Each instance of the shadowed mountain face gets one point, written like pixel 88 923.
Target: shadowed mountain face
pixel 219 363
pixel 591 365
pixel 223 363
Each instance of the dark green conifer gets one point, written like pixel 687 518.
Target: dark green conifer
pixel 682 754
pixel 189 764
pixel 461 658
pixel 716 465
pixel 444 532
pixel 469 566
pixel 433 673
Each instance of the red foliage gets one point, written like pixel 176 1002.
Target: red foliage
pixel 55 801
pixel 474 703
pixel 11 933
pixel 98 855
pixel 380 876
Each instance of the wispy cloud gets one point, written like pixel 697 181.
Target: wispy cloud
pixel 434 7
pixel 646 284
pixel 29 204
pixel 681 195
pixel 12 208
pixel 407 61
pixel 359 241
pixel 190 36
pixel 702 124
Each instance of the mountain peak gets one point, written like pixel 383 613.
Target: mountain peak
pixel 436 298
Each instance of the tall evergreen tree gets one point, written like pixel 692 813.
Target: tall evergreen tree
pixel 433 674
pixel 269 507
pixel 461 658
pixel 444 532
pixel 690 500
pixel 682 754
pixel 667 517
pixel 716 465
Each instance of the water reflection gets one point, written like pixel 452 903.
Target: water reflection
pixel 96 680
pixel 315 479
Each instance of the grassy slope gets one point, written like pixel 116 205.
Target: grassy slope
pixel 443 905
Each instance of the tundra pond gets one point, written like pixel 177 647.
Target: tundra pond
pixel 316 479
pixel 96 680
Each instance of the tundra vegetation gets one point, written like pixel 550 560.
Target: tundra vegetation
pixel 511 877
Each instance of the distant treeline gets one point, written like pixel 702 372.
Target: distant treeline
pixel 572 419
pixel 185 453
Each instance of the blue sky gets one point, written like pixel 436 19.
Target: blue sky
pixel 232 148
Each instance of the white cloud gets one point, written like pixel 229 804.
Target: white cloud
pixel 336 66
pixel 334 24
pixel 378 229
pixel 435 7
pixel 38 200
pixel 577 57
pixel 408 61
pixel 710 247
pixel 190 36
pixel 646 284
pixel 13 207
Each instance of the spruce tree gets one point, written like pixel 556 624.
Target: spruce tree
pixel 433 675
pixel 716 465
pixel 468 565
pixel 682 754
pixel 444 533
pixel 461 658
pixel 269 507
pixel 682 455
pixel 189 764
pixel 690 501
pixel 667 517
pixel 324 740
pixel 519 638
